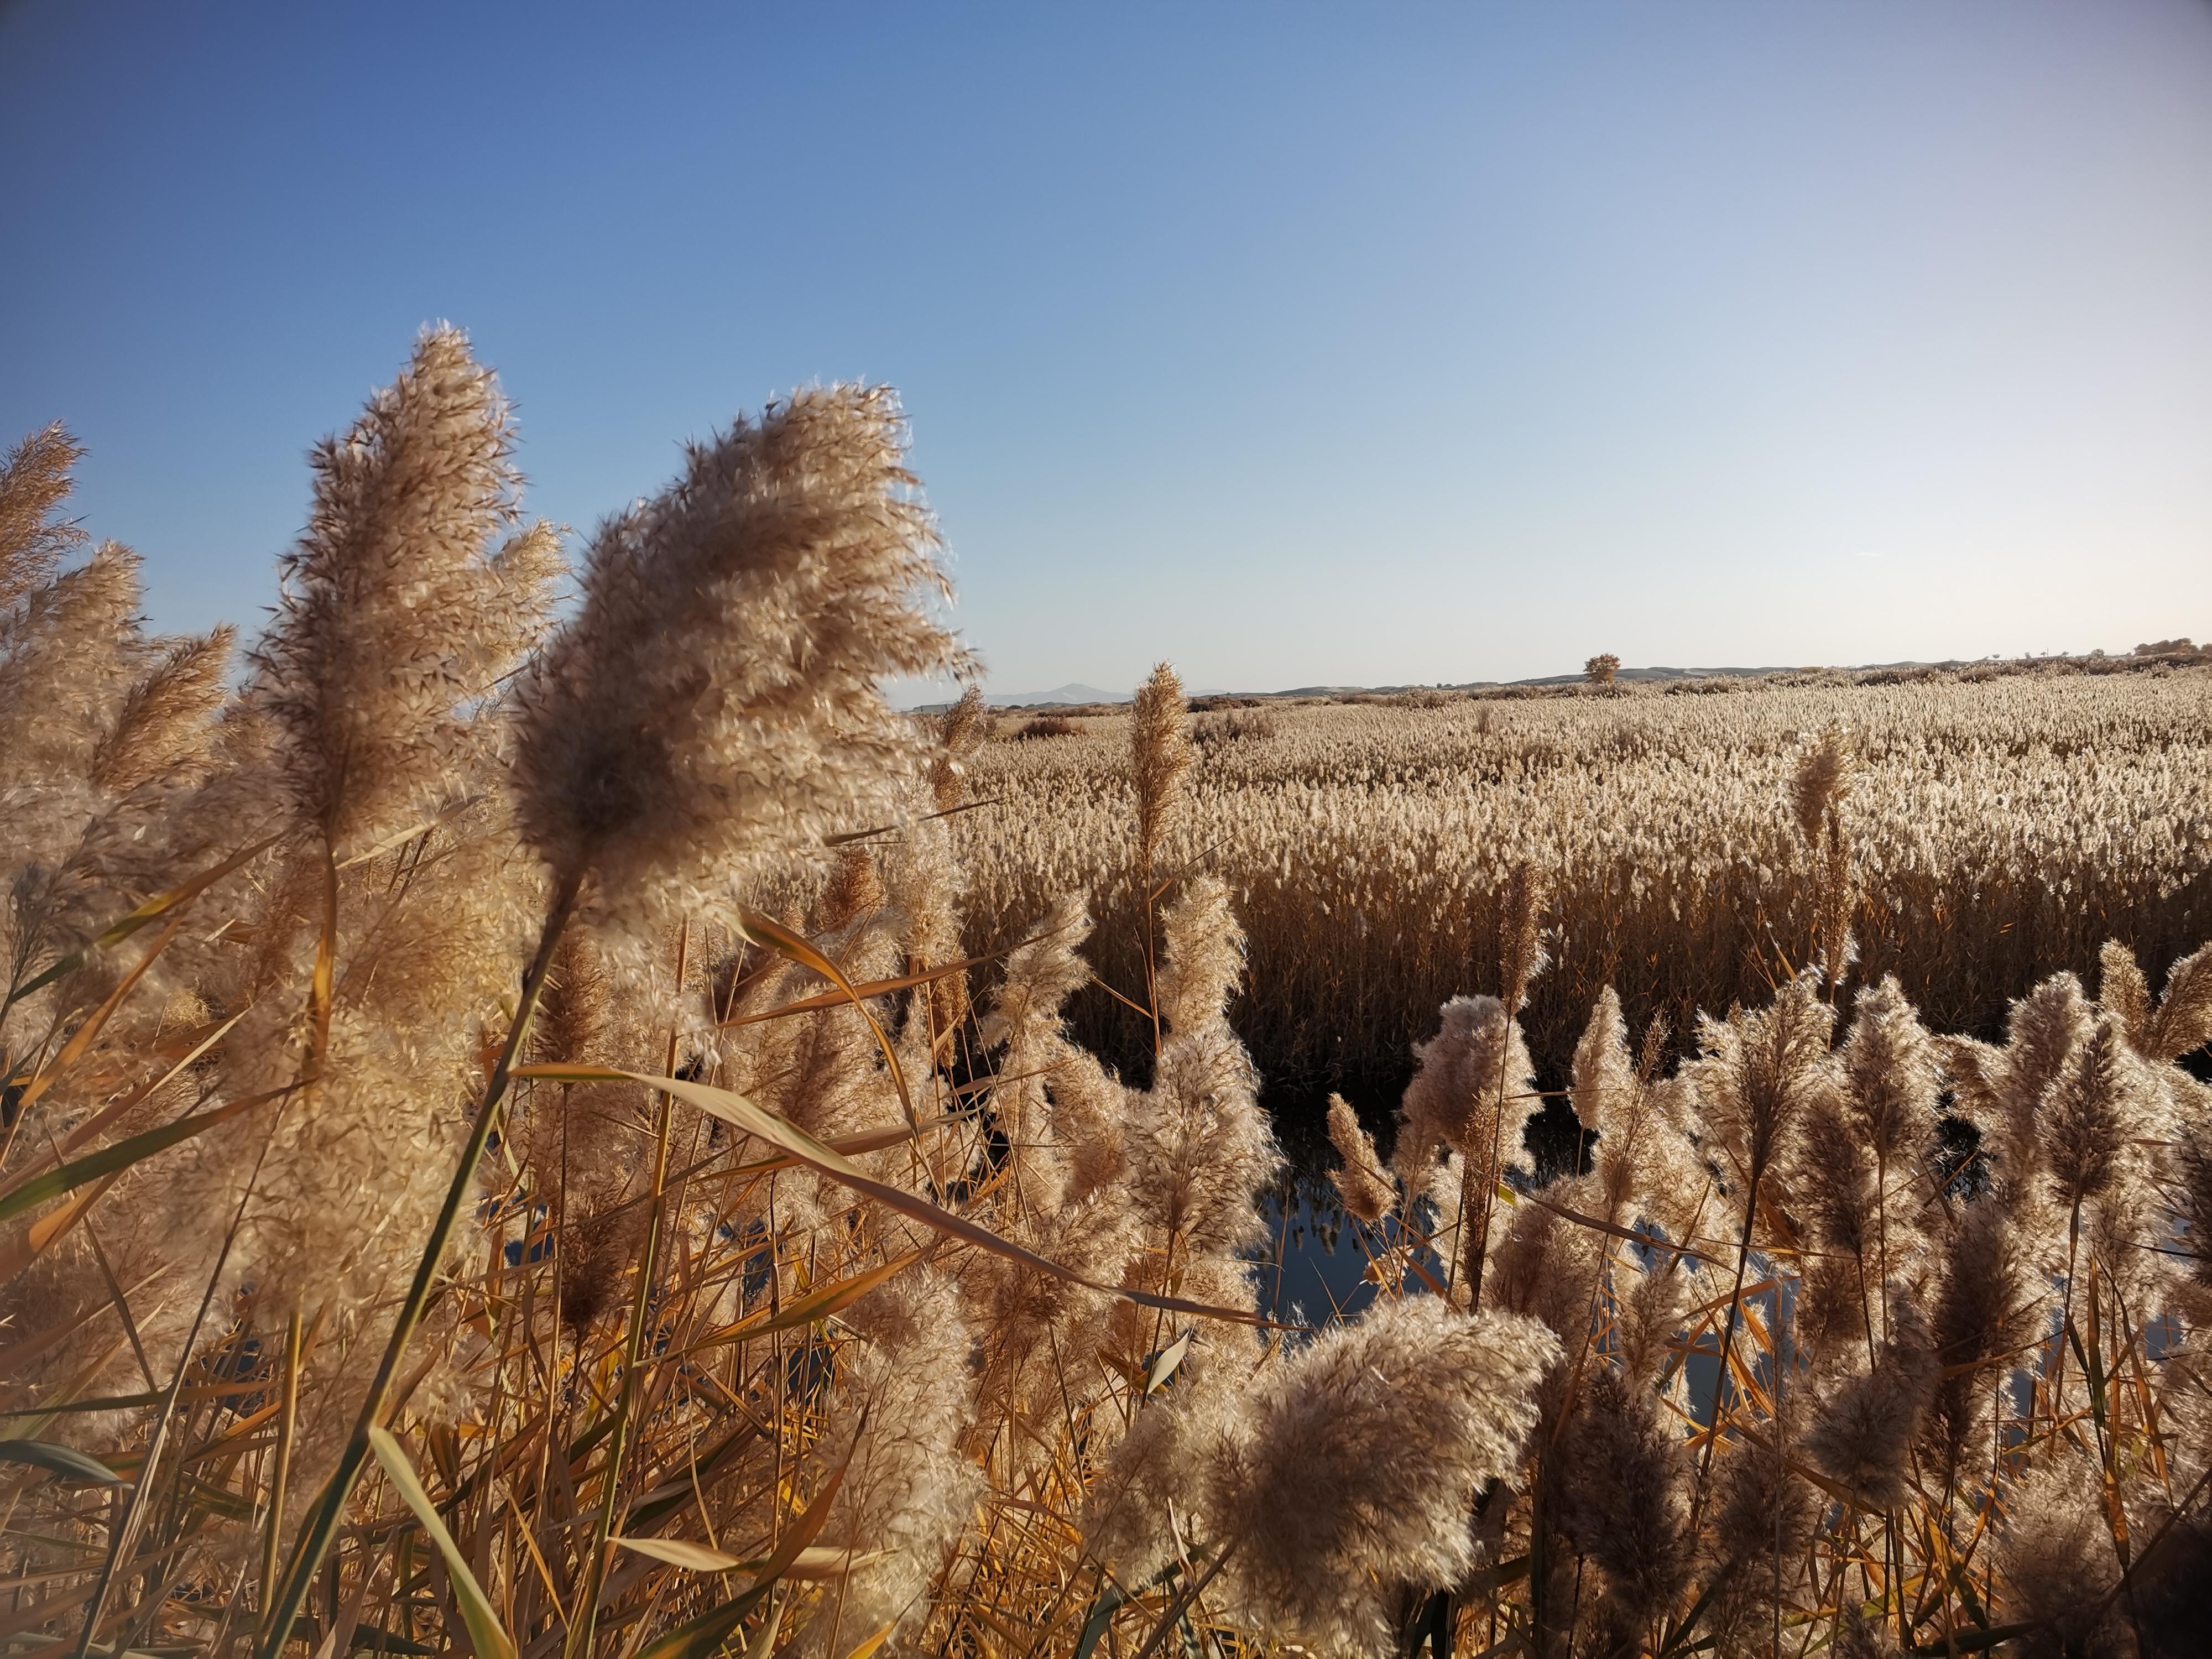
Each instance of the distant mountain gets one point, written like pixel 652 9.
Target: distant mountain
pixel 1065 696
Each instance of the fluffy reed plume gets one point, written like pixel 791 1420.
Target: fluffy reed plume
pixel 959 734
pixel 584 1143
pixel 1469 1094
pixel 1199 1149
pixel 164 726
pixel 1999 1090
pixel 1623 1475
pixel 1160 758
pixel 1606 1096
pixel 906 1391
pixel 2093 1116
pixel 399 615
pixel 1643 1165
pixel 101 728
pixel 1205 958
pixel 1362 1184
pixel 1818 792
pixel 2180 1021
pixel 1889 1075
pixel 853 889
pixel 34 481
pixel 1520 953
pixel 1863 1433
pixel 1345 1478
pixel 2123 992
pixel 1859 1139
pixel 1756 1542
pixel 1760 1074
pixel 2057 1556
pixel 1979 1319
pixel 68 653
pixel 714 707
pixel 401 607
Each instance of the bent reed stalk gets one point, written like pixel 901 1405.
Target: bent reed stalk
pixel 644 1074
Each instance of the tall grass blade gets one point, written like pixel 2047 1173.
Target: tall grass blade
pixel 486 1634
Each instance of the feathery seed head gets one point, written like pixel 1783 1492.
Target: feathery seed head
pixel 1160 758
pixel 34 480
pixel 1520 953
pixel 397 613
pixel 959 734
pixel 1889 1072
pixel 1361 1182
pixel 1360 1458
pixel 165 724
pixel 1862 1432
pixel 2092 1116
pixel 2183 1023
pixel 1200 1147
pixel 715 703
pixel 1821 782
pixel 1471 1091
pixel 2124 993
pixel 1761 1072
pixel 1203 956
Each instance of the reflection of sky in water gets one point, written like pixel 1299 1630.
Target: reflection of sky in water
pixel 1314 1267
pixel 1314 1270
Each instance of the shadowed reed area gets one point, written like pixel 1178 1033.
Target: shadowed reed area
pixel 572 1139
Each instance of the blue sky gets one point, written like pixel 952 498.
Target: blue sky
pixel 1351 343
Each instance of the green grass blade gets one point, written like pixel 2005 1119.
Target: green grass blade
pixel 65 1460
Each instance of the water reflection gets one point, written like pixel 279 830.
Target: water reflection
pixel 1319 1264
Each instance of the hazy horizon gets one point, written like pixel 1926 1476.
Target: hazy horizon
pixel 1294 344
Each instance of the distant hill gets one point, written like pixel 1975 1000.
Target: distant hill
pixel 1066 696
pixel 1076 694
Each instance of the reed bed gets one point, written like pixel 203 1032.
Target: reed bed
pixel 1999 831
pixel 529 1137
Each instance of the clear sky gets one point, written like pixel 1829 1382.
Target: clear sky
pixel 1346 342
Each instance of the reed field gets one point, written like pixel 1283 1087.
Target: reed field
pixel 1999 829
pixel 553 1122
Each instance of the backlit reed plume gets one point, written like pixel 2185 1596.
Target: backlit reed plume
pixel 715 703
pixel 1344 1479
pixel 1822 784
pixel 34 481
pixel 69 650
pixel 1198 1146
pixel 1160 758
pixel 1472 1092
pixel 398 613
pixel 905 1396
pixel 404 603
pixel 1363 1184
pixel 1623 1476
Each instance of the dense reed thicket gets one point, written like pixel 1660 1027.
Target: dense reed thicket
pixel 1996 831
pixel 505 1153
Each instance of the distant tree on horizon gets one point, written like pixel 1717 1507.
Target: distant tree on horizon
pixel 1601 669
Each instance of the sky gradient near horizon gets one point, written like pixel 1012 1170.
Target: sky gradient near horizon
pixel 1296 344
